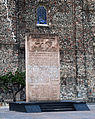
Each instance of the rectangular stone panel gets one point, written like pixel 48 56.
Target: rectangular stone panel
pixel 42 69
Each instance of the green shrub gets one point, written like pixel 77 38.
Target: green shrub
pixel 12 83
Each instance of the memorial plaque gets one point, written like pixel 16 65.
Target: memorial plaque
pixel 42 68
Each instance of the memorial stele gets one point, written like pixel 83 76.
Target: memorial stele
pixel 42 68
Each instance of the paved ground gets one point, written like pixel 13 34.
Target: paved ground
pixel 6 114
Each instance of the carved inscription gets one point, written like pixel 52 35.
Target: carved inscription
pixel 43 45
pixel 43 69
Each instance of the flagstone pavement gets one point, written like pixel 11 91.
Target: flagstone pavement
pixel 6 114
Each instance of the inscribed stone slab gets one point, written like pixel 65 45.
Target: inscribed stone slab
pixel 42 69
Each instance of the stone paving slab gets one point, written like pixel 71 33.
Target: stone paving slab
pixel 6 114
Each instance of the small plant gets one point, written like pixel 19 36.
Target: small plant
pixel 12 83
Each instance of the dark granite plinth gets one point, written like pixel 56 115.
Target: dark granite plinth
pixel 33 107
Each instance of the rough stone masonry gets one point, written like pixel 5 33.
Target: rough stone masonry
pixel 74 23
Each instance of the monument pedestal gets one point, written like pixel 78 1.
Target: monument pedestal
pixel 33 107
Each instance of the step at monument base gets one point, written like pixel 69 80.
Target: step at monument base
pixel 34 107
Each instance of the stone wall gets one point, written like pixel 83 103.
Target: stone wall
pixel 73 21
pixel 8 46
pixel 89 36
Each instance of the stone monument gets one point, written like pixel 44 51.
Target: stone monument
pixel 43 78
pixel 42 68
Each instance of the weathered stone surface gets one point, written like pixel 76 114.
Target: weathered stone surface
pixel 43 69
pixel 75 25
